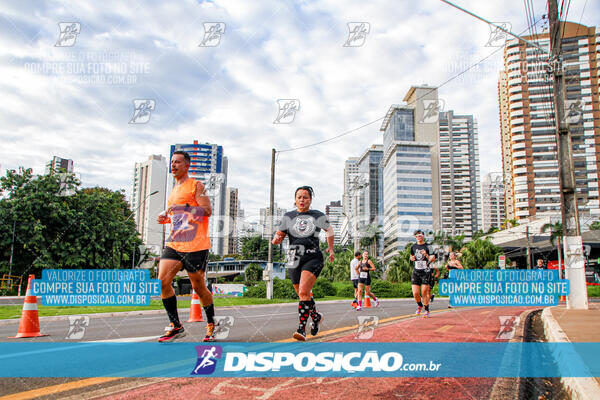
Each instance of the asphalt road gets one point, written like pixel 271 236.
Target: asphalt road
pixel 264 323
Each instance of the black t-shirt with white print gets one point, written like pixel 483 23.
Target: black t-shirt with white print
pixel 302 228
pixel 421 261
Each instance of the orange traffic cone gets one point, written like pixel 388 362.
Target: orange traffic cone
pixel 195 309
pixel 367 302
pixel 29 325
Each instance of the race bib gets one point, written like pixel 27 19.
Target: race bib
pixel 420 264
pixel 364 275
pixel 291 258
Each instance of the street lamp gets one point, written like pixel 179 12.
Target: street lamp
pixel 131 215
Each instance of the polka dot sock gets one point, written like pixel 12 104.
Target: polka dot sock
pixel 303 313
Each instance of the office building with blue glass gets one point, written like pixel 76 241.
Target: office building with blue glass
pixel 407 181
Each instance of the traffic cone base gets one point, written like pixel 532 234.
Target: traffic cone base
pixel 195 309
pixel 29 324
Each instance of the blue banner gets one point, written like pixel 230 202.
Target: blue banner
pixel 95 287
pixel 299 359
pixel 490 287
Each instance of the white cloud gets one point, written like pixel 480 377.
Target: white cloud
pixel 227 94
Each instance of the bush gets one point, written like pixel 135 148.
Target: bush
pixel 388 289
pixel 282 289
pixel 257 291
pixel 345 290
pixel 593 291
pixel 323 287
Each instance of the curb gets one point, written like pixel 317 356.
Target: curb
pixel 509 388
pixel 578 388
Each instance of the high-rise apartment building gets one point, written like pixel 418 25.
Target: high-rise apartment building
pixel 334 212
pixel 148 198
pixel 529 152
pixel 264 220
pixel 57 165
pixel 459 173
pixel 232 204
pixel 492 201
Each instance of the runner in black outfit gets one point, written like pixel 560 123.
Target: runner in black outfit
pixel 303 226
pixel 422 254
pixel 363 269
pixel 453 263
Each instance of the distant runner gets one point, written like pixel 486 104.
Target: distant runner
pixel 364 269
pixel 354 276
pixel 422 254
pixel 453 263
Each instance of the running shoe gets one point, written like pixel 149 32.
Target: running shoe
pixel 299 335
pixel 376 303
pixel 449 306
pixel 432 297
pixel 418 311
pixel 172 333
pixel 358 308
pixel 210 333
pixel 426 315
pixel 314 328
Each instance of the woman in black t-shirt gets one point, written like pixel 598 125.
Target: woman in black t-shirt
pixel 305 260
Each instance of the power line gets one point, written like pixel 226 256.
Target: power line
pixel 414 101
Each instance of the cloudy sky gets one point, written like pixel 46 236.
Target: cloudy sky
pixel 73 96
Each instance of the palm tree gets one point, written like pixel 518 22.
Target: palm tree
pixel 481 253
pixel 370 237
pixel 399 269
pixel 556 233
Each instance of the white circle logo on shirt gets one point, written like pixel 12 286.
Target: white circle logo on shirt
pixel 304 227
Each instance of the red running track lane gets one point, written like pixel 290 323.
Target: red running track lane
pixel 456 325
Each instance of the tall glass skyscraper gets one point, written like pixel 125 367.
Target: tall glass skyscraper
pixel 407 181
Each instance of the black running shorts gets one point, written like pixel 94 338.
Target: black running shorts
pixel 355 283
pixel 312 263
pixel 192 262
pixel 365 281
pixel 420 277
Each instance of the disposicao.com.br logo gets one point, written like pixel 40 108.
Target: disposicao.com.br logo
pixel 322 362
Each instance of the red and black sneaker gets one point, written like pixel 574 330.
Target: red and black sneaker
pixel 172 333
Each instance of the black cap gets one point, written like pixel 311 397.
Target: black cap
pixel 417 232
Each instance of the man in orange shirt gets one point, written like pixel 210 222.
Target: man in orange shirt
pixel 187 245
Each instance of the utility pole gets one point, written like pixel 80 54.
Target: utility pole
pixel 12 247
pixel 269 270
pixel 528 248
pixel 572 242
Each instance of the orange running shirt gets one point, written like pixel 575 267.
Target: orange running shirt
pixel 187 233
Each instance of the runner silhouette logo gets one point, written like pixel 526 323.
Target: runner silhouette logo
pixel 207 359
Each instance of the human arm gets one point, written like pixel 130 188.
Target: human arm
pixel 203 200
pixel 279 236
pixel 329 250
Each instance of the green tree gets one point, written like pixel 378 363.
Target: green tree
pixel 480 254
pixel 444 239
pixel 339 269
pixel 400 266
pixel 90 229
pixel 595 226
pixel 371 235
pixel 556 234
pixel 257 248
pixel 253 274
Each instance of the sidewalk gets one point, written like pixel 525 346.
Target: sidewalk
pixel 564 325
